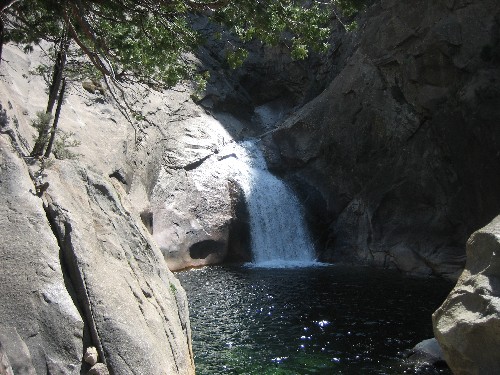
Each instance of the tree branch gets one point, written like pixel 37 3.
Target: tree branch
pixel 6 3
pixel 94 58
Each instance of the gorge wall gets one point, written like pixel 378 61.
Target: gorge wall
pixel 398 158
pixel 391 141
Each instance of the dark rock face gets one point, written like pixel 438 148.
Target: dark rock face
pixel 403 147
pixel 467 325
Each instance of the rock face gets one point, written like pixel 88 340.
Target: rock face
pixel 135 309
pixel 467 325
pixel 398 158
pixel 78 267
pixel 193 202
pixel 37 310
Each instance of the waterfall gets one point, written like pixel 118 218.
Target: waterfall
pixel 278 231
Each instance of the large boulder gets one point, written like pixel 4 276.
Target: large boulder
pixel 467 325
pixel 397 159
pixel 194 202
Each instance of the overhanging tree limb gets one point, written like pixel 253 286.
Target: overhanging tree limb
pixel 94 58
pixel 6 3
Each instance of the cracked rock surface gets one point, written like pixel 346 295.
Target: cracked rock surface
pixel 36 309
pixel 78 267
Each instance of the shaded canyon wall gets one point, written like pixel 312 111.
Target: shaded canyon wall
pixel 398 158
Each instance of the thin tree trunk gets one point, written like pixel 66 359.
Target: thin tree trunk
pixel 2 27
pixel 57 73
pixel 56 119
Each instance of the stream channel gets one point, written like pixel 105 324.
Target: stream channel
pixel 308 320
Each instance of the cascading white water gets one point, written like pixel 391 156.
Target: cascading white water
pixel 278 232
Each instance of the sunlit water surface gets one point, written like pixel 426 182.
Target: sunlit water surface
pixel 315 320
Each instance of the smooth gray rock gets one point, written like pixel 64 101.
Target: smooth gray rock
pixel 467 325
pixel 98 369
pixel 193 203
pixel 34 296
pixel 135 308
pixel 132 308
pixel 5 367
pixel 16 353
pixel 427 352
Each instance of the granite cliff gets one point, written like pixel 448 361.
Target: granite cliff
pixel 79 269
pixel 398 158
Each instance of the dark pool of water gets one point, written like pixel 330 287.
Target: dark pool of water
pixel 320 320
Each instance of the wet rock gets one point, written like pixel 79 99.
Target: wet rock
pixel 193 202
pixel 467 325
pixel 427 352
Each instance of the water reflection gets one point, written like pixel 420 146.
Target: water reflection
pixel 326 320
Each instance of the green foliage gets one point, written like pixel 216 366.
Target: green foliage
pixel 236 56
pixel 200 84
pixel 173 289
pixel 351 26
pixel 63 144
pixel 147 41
pixel 300 25
pixel 42 124
pixel 351 7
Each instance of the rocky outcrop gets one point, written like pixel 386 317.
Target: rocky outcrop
pixel 192 202
pixel 100 280
pixel 427 353
pixel 78 267
pixel 135 308
pixel 37 310
pixel 398 157
pixel 467 325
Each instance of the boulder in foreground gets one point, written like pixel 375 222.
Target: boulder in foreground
pixel 467 325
